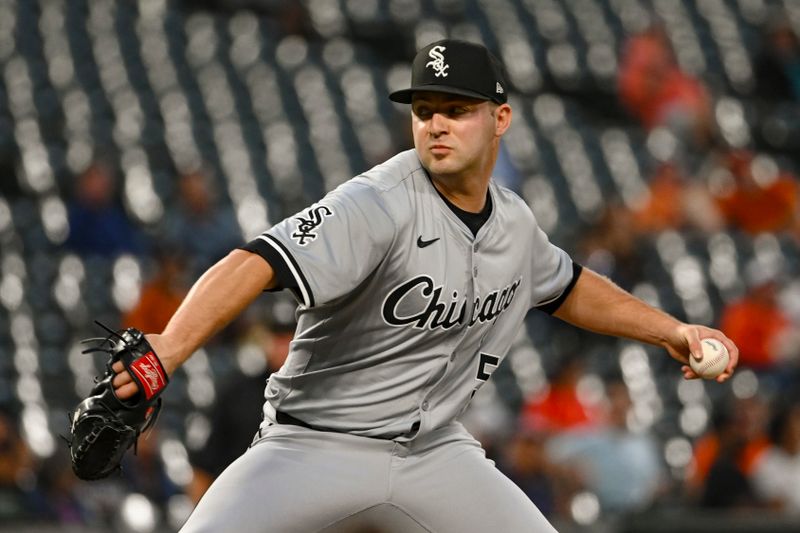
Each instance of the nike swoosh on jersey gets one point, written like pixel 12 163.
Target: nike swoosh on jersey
pixel 423 244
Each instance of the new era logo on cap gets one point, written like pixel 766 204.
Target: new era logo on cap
pixel 456 67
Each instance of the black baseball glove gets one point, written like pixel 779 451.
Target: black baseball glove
pixel 103 427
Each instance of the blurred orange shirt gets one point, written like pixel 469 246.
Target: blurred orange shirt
pixel 664 206
pixel 156 306
pixel 756 209
pixel 558 409
pixel 706 452
pixel 753 326
pixel 651 84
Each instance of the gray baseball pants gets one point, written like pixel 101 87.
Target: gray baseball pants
pixel 299 480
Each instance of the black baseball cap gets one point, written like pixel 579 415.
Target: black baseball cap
pixel 456 67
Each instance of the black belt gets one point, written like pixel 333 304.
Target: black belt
pixel 286 418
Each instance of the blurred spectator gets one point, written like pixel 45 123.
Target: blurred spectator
pixel 20 496
pixel 777 75
pixel 776 475
pixel 609 247
pixel 559 406
pixel 657 92
pixel 621 467
pixel 62 490
pixel 237 411
pixel 505 171
pixel 162 294
pixel 525 463
pixel 199 225
pixel 754 194
pixel 675 201
pixel 725 458
pixel 145 472
pixel 757 324
pixel 777 65
pixel 98 224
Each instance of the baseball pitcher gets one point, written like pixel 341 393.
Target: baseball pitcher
pixel 412 281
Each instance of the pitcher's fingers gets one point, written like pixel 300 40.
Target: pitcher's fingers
pixel 733 354
pixel 725 376
pixel 696 349
pixel 688 373
pixel 126 391
pixel 117 367
pixel 121 379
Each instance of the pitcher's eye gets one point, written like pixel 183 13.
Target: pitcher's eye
pixel 422 112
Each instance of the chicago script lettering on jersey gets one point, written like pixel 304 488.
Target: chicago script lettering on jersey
pixel 443 312
pixel 306 226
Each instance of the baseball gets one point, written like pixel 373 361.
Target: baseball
pixel 715 359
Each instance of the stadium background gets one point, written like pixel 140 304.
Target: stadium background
pixel 272 103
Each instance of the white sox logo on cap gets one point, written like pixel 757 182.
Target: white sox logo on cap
pixel 437 63
pixel 475 72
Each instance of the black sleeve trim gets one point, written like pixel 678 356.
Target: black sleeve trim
pixel 287 271
pixel 283 275
pixel 552 307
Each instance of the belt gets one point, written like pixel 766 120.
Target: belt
pixel 287 419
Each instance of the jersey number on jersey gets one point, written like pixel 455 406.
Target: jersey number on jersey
pixel 486 365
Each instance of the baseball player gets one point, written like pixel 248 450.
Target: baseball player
pixel 413 279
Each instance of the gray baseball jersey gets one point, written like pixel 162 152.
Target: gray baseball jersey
pixel 404 313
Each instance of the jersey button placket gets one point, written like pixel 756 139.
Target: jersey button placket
pixel 469 294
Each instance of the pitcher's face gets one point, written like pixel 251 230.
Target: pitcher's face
pixel 456 135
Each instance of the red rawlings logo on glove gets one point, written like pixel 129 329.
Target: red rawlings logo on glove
pixel 150 373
